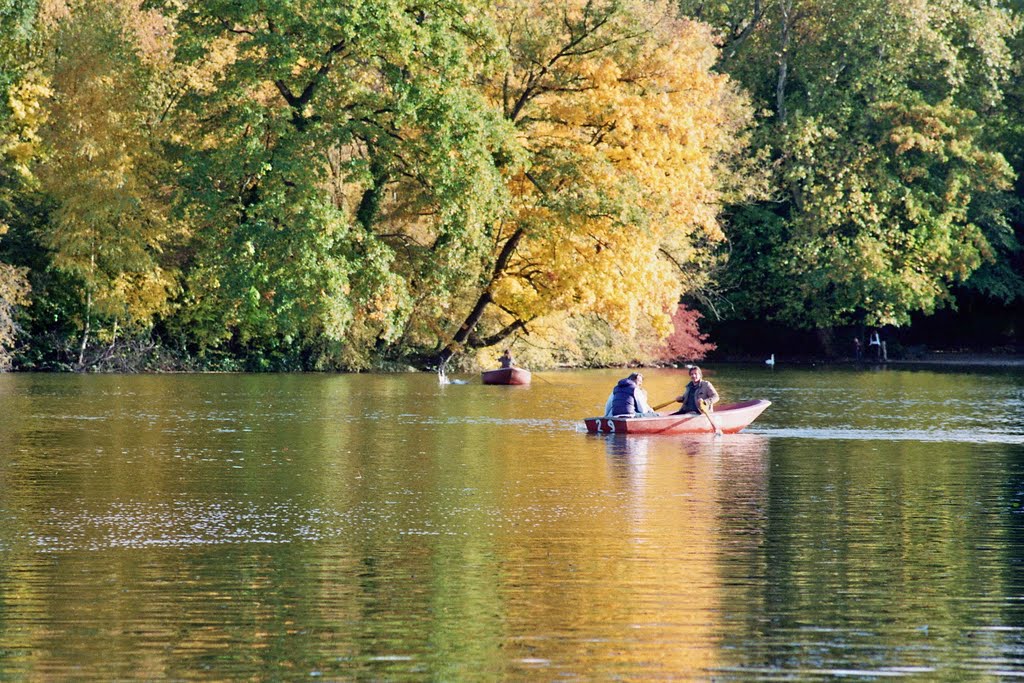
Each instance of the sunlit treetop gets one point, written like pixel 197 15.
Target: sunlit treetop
pixel 629 135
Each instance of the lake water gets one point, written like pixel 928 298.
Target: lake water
pixel 869 524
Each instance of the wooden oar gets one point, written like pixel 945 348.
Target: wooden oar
pixel 662 405
pixel 704 409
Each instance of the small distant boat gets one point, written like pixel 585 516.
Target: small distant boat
pixel 507 376
pixel 730 418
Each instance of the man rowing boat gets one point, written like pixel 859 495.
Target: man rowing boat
pixel 698 391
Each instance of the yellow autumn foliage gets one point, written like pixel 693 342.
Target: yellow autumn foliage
pixel 14 291
pixel 629 136
pixel 19 138
pixel 110 222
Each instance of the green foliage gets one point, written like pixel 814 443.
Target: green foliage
pixel 884 227
pixel 17 28
pixel 50 326
pixel 20 93
pixel 1002 216
pixel 339 171
pixel 891 190
pixel 755 284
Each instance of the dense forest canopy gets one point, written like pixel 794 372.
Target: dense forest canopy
pixel 315 185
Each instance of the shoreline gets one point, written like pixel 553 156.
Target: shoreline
pixel 934 358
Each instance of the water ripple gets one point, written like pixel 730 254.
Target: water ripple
pixel 939 436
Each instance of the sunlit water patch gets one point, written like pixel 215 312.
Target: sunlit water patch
pixel 925 435
pixel 400 514
pixel 380 527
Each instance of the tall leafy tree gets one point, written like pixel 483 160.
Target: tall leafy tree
pixel 885 172
pixel 1002 277
pixel 628 137
pixel 22 88
pixel 337 167
pixel 102 171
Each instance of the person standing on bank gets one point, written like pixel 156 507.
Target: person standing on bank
pixel 629 398
pixel 875 342
pixel 698 390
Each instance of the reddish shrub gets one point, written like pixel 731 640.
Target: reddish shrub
pixel 686 342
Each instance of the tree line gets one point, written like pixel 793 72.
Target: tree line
pixel 302 184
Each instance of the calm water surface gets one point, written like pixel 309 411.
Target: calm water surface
pixel 385 527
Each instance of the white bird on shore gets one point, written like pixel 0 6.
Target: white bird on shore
pixel 771 361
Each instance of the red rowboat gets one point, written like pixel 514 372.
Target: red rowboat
pixel 730 418
pixel 507 376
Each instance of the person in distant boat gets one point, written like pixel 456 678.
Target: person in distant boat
pixel 697 391
pixel 506 359
pixel 629 399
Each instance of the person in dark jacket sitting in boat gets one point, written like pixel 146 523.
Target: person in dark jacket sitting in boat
pixel 629 399
pixel 506 359
pixel 697 391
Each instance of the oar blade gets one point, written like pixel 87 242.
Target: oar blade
pixel 704 409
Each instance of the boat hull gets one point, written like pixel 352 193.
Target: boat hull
pixel 730 418
pixel 507 376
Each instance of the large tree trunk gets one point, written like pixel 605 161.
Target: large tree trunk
pixel 459 340
pixel 486 298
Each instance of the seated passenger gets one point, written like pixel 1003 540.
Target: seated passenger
pixel 628 399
